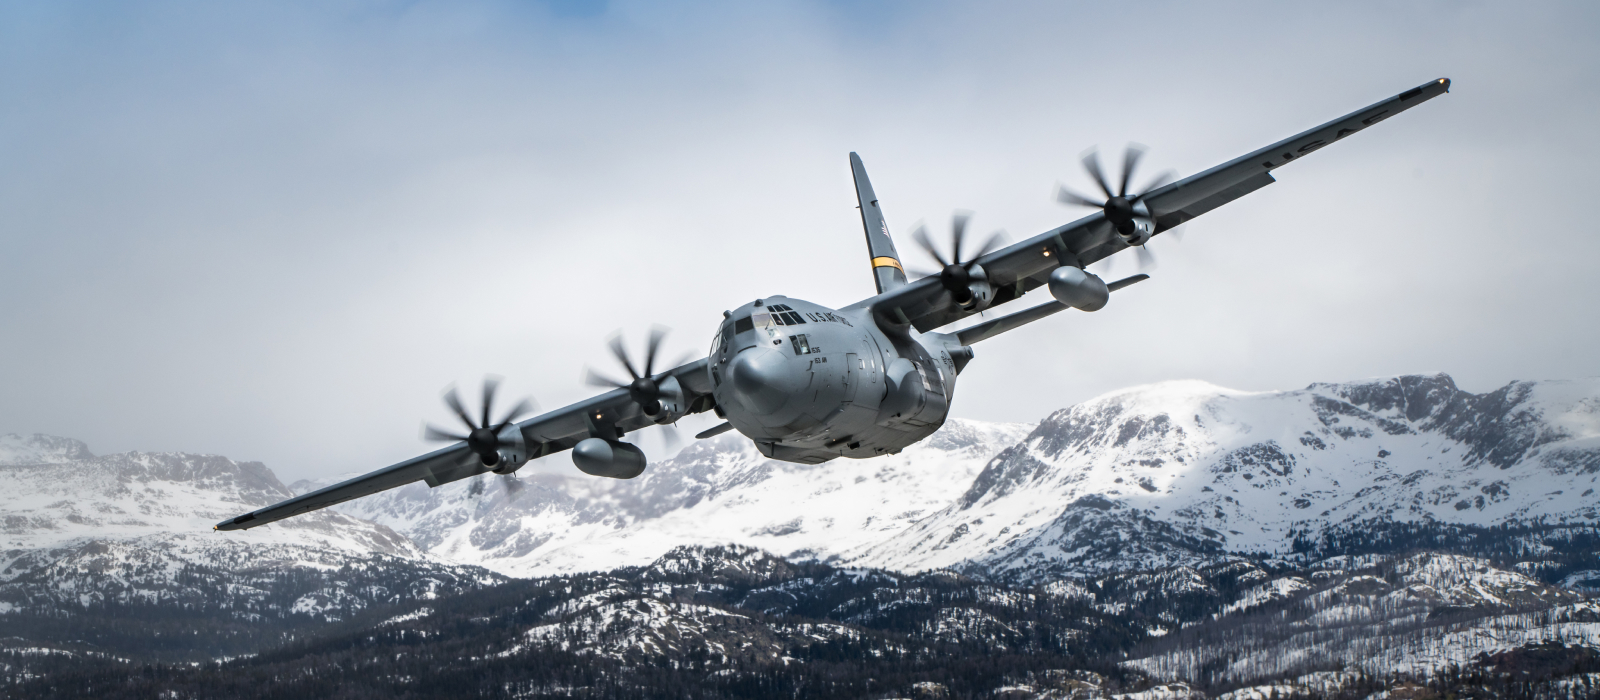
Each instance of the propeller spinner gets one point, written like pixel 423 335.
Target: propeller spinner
pixel 645 388
pixel 956 275
pixel 482 437
pixel 1125 210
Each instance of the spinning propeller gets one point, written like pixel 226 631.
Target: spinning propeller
pixel 644 390
pixel 644 387
pixel 1121 208
pixel 954 274
pixel 482 437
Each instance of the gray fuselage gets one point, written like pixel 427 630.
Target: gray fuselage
pixel 808 383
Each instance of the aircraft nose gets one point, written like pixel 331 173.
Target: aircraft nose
pixel 759 378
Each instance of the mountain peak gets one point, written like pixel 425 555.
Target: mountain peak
pixel 722 564
pixel 39 448
pixel 1165 473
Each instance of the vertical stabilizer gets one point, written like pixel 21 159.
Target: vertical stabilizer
pixel 886 269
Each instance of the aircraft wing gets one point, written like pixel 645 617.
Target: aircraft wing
pixel 1018 268
pixel 612 414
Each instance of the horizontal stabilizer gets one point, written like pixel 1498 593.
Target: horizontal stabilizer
pixel 1127 281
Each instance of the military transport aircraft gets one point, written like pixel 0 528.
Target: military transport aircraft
pixel 809 383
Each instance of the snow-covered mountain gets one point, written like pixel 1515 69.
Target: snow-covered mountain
pixel 716 491
pixel 80 533
pixel 1312 540
pixel 735 621
pixel 1151 476
pixel 58 493
pixel 1175 472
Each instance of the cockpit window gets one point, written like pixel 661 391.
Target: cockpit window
pixel 743 325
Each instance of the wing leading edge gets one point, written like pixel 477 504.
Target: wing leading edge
pixel 610 415
pixel 1024 266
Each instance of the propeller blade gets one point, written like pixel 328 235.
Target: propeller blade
pixel 682 360
pixel 454 402
pixel 476 488
pixel 1091 163
pixel 654 346
pixel 491 384
pixel 595 379
pixel 621 353
pixel 670 438
pixel 522 408
pixel 1130 160
pixel 431 433
pixel 1066 196
pixel 1106 264
pixel 1147 259
pixel 921 237
pixel 917 273
pixel 958 232
pixel 1177 232
pixel 991 245
pixel 1160 181
pixel 512 484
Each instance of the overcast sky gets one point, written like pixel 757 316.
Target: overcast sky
pixel 276 231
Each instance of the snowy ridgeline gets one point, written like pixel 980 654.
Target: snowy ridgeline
pixel 1413 616
pixel 1153 476
pixel 82 533
pixel 719 618
pixel 1184 515
pixel 1160 475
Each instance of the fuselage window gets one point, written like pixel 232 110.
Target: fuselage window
pixel 801 347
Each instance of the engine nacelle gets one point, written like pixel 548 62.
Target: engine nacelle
pixel 978 285
pixel 510 454
pixel 673 405
pixel 1078 289
pixel 1139 230
pixel 608 458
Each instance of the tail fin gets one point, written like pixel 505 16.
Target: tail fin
pixel 886 269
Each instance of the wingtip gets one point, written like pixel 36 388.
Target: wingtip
pixel 1446 83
